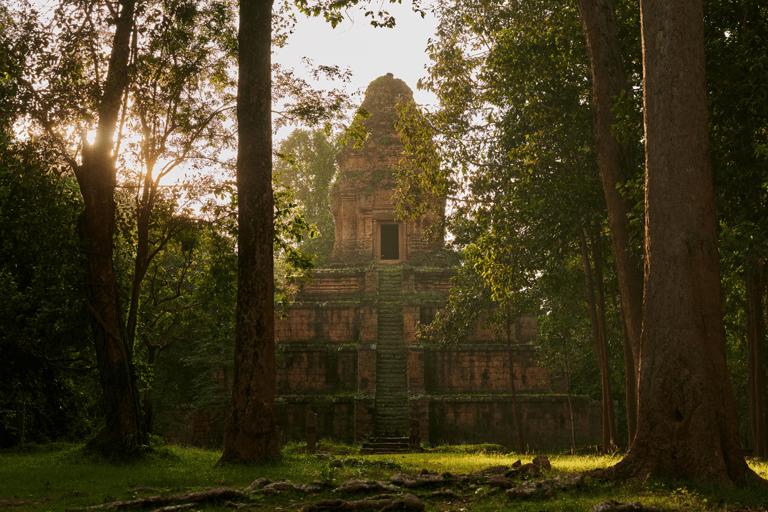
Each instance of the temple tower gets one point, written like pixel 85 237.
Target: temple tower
pixel 361 201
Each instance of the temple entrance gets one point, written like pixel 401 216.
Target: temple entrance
pixel 390 242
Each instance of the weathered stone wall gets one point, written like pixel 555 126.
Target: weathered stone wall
pixel 335 418
pixel 451 419
pixel 457 420
pixel 310 322
pixel 316 370
pixel 482 368
pixel 324 283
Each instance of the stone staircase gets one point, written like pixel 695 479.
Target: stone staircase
pixel 391 416
pixel 385 445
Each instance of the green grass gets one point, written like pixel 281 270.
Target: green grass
pixel 59 477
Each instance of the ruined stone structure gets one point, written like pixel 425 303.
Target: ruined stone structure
pixel 348 349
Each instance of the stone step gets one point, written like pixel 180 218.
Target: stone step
pixel 391 398
pixel 385 445
pixel 391 364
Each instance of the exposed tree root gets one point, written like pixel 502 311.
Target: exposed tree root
pixel 409 502
pixel 220 494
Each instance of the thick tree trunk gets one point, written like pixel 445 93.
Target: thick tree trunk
pixel 124 430
pixel 616 165
pixel 687 421
pixel 250 432
pixel 755 287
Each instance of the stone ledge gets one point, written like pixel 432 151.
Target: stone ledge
pixel 300 399
pixel 480 346
pixel 506 398
pixel 314 346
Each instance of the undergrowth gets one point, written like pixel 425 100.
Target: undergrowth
pixel 62 476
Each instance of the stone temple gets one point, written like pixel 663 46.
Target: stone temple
pixel 348 352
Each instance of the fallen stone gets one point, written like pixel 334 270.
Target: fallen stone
pixel 502 481
pixel 443 493
pixel 409 502
pixel 615 506
pixel 542 461
pixel 336 463
pixel 517 464
pixel 351 462
pixel 307 487
pixel 496 470
pixel 529 469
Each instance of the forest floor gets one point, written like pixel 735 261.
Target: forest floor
pixel 460 478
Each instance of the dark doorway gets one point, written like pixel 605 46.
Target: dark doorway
pixel 390 242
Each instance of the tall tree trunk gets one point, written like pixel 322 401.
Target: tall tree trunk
pixel 515 406
pixel 250 432
pixel 755 287
pixel 598 19
pixel 630 388
pixel 606 374
pixel 608 442
pixel 124 430
pixel 687 422
pixel 144 208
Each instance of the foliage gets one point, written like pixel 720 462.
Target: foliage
pixel 511 149
pixel 176 113
pixel 48 390
pixel 306 166
pixel 736 55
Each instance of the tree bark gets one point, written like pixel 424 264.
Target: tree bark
pixel 755 287
pixel 608 442
pixel 630 388
pixel 616 166
pixel 687 421
pixel 250 432
pixel 124 430
pixel 598 258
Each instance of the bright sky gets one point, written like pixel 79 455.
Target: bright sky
pixel 354 44
pixel 367 51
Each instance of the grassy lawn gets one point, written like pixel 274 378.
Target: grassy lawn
pixel 59 477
